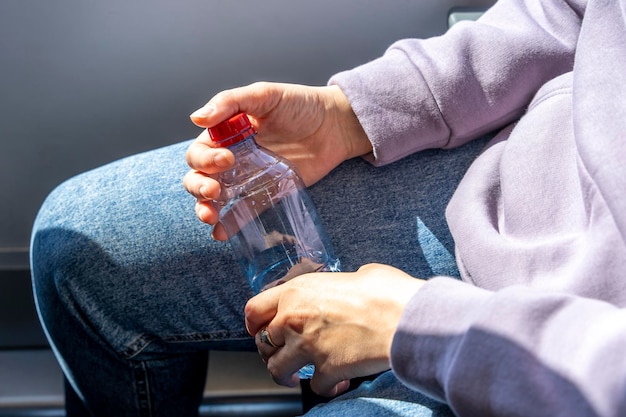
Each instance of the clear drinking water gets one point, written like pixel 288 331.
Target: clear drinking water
pixel 272 224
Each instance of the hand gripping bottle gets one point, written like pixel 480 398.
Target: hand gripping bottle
pixel 270 220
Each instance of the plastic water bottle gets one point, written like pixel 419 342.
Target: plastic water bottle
pixel 271 222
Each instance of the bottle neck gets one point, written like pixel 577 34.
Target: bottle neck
pixel 245 145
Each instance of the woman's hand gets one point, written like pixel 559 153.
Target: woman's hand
pixel 343 323
pixel 314 127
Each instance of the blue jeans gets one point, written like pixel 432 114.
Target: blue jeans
pixel 133 292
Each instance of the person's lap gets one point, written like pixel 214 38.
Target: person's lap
pixel 121 264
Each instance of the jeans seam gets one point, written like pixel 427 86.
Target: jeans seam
pixel 142 388
pixel 143 341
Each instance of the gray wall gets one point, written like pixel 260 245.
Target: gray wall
pixel 83 82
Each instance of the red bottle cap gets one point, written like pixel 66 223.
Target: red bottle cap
pixel 231 131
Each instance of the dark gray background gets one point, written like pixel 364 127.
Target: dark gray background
pixel 83 82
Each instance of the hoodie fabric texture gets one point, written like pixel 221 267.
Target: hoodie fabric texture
pixel 539 220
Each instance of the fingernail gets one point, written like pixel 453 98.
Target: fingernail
pixel 203 112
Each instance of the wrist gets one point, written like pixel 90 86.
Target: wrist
pixel 357 142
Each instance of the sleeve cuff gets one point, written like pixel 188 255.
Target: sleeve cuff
pixel 428 333
pixel 395 107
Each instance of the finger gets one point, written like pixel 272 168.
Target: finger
pixel 265 349
pixel 283 358
pixel 207 212
pixel 219 233
pixel 202 157
pixel 328 386
pixel 201 186
pixel 284 364
pixel 341 387
pixel 261 309
pixel 266 338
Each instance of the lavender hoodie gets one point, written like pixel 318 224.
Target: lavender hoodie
pixel 539 220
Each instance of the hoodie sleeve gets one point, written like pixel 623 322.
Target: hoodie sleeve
pixel 444 91
pixel 515 352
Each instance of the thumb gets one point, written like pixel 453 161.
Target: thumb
pixel 256 100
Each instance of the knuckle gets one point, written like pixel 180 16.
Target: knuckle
pixel 370 267
pixel 276 373
pixel 260 85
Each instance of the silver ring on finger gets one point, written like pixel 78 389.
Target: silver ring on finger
pixel 266 338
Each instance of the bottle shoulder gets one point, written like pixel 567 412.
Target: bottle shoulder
pixel 257 170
